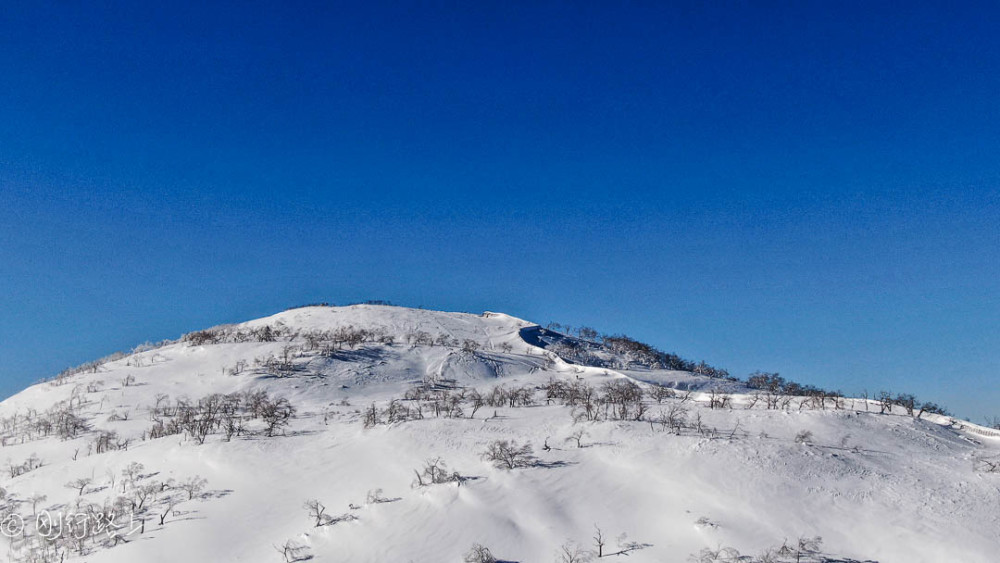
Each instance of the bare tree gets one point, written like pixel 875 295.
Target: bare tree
pixel 907 401
pixel 599 540
pixel 80 484
pixel 276 413
pixel 35 500
pixel 577 437
pixel 168 507
pixel 193 486
pixel 932 408
pixel 625 396
pixel 659 393
pixel 506 454
pixel 885 402
pixel 371 416
pixel 477 400
pixel 719 400
pixel 735 429
pixel 131 474
pixel 144 493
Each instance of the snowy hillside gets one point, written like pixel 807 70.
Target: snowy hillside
pixel 310 434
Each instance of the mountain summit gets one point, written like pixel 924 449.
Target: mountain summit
pixel 381 433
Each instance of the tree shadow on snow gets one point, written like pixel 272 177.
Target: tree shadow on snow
pixel 357 355
pixel 552 464
pixel 300 433
pixel 216 494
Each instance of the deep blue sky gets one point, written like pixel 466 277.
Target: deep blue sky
pixel 799 187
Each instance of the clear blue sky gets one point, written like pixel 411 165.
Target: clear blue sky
pixel 797 187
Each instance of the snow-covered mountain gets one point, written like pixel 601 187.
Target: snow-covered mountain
pixel 313 433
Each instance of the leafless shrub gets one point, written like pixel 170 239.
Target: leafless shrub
pixel 907 401
pixel 479 554
pixel 807 546
pixel 987 465
pixel 200 337
pixel 719 555
pixel 435 471
pixel 375 496
pixel 107 440
pixel 803 550
pixel 624 397
pixel 32 463
pixel 676 417
pixel 317 511
pixel 293 551
pixel 229 414
pixel 569 552
pixel 719 400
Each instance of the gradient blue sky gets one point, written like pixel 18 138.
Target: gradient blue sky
pixel 797 187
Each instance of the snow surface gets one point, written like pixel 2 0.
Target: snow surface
pixel 888 488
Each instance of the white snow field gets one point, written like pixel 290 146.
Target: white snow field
pixel 686 482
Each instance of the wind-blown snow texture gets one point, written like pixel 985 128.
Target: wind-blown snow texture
pixel 889 488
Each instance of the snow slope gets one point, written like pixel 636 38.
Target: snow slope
pixel 881 487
